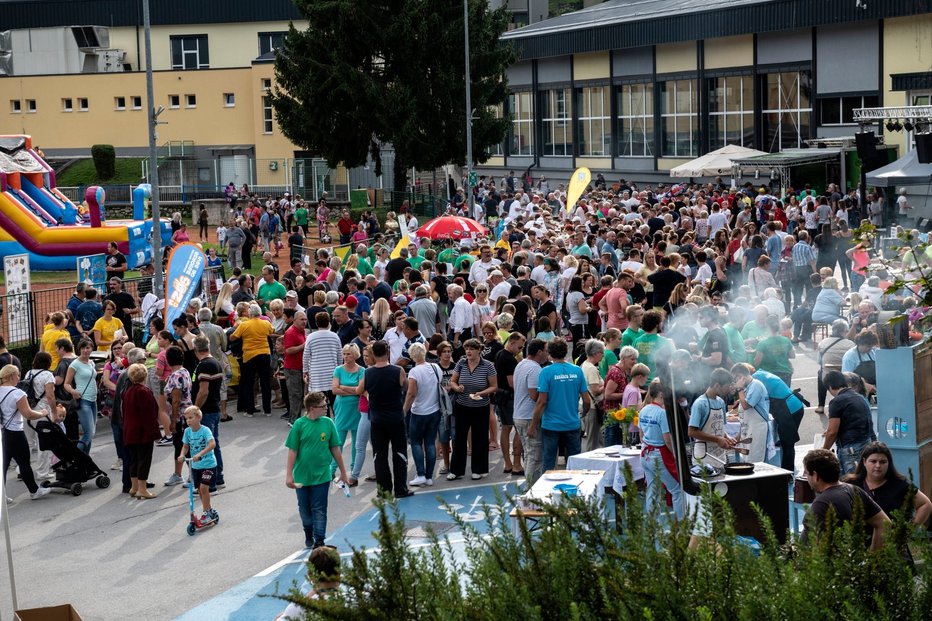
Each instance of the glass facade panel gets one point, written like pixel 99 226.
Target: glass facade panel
pixel 731 111
pixel 499 148
pixel 635 122
pixel 787 109
pixel 522 123
pixel 594 132
pixel 557 122
pixel 680 119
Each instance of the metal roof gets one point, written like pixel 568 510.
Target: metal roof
pixel 620 24
pixel 17 14
pixel 620 11
pixel 790 157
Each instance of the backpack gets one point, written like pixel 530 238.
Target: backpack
pixel 26 385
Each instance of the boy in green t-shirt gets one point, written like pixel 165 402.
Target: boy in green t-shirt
pixel 312 443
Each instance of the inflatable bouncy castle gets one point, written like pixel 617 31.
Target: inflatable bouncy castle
pixel 37 219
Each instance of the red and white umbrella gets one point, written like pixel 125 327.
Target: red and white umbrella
pixel 451 227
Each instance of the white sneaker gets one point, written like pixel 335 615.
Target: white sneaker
pixel 42 491
pixel 476 477
pixel 174 479
pixel 452 477
pixel 430 482
pixel 418 481
pixel 117 465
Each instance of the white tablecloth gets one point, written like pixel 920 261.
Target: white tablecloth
pixel 613 466
pixel 590 484
pixel 590 481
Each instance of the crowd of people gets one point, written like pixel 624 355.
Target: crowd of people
pixel 519 342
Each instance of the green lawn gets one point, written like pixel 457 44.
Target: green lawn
pixel 82 173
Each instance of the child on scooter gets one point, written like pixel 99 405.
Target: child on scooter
pixel 200 443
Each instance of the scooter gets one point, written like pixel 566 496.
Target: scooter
pixel 196 524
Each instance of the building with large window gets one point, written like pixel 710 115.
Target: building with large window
pixel 72 86
pixel 636 88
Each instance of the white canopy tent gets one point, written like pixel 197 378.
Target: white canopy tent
pixel 907 170
pixel 713 164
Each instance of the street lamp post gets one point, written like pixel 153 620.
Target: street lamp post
pixel 466 188
pixel 153 155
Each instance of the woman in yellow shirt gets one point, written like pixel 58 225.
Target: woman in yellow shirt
pixel 105 328
pixel 255 333
pixel 56 330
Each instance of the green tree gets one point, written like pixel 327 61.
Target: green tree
pixel 369 74
pixel 104 161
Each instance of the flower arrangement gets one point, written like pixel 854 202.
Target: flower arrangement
pixel 626 418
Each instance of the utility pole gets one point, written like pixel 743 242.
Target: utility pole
pixel 153 155
pixel 466 185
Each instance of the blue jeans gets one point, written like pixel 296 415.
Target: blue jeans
pixel 657 477
pixel 87 416
pixel 363 432
pixel 312 507
pixel 849 454
pixel 422 433
pixel 550 443
pixel 211 420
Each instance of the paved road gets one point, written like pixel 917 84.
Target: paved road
pixel 117 558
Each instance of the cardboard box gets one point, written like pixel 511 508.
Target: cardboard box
pixel 65 612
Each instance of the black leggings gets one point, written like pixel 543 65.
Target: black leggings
pixel 203 231
pixel 140 460
pixel 16 448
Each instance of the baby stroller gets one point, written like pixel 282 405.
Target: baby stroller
pixel 74 466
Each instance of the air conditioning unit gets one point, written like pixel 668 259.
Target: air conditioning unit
pixel 91 37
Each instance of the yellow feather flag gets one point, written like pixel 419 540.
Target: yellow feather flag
pixel 578 182
pixel 343 252
pixel 403 240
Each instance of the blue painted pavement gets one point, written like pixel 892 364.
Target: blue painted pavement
pixel 254 598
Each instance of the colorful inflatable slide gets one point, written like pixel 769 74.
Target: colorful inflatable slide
pixel 37 219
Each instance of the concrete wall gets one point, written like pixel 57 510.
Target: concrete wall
pixel 230 45
pixel 209 122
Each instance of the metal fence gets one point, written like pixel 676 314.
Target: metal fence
pixel 23 316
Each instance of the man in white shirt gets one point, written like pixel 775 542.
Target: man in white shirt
pixel 500 286
pixel 515 208
pixel 479 272
pixel 461 317
pixel 903 209
pixel 717 220
pixel 538 272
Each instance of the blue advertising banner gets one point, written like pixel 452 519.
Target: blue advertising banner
pixel 92 269
pixel 186 264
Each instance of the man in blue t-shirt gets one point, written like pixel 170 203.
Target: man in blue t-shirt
pixel 556 413
pixel 787 411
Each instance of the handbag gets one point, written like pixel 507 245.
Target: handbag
pixel 70 403
pixel 446 400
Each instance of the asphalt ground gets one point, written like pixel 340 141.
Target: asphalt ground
pixel 114 557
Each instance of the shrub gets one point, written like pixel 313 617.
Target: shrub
pixel 579 568
pixel 104 161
